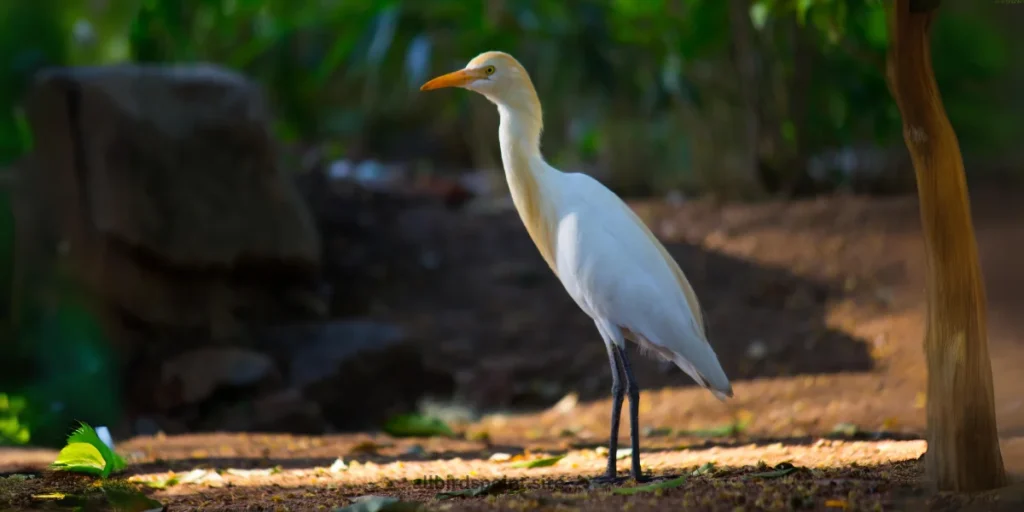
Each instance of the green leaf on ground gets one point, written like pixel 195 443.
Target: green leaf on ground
pixel 416 425
pixel 379 504
pixel 720 431
pixel 85 434
pixel 493 488
pixel 49 496
pixel 87 453
pixel 844 430
pixel 782 469
pixel 704 469
pixel 657 432
pixel 162 483
pixel 538 463
pixel 729 429
pixel 80 458
pixel 656 486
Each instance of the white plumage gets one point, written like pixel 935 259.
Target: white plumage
pixel 608 260
pixel 612 267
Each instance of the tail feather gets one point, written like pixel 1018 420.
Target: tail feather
pixel 686 345
pixel 720 387
pixel 712 377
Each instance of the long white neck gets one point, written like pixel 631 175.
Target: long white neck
pixel 528 175
pixel 519 136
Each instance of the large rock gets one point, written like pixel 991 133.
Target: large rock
pixel 192 377
pixel 178 162
pixel 283 411
pixel 359 372
pixel 161 189
pixel 309 378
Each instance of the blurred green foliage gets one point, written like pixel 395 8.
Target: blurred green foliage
pixel 646 94
pixel 12 430
pixel 61 366
pixel 647 71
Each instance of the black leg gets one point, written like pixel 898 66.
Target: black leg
pixel 613 438
pixel 634 414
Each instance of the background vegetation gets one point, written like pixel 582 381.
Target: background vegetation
pixel 734 98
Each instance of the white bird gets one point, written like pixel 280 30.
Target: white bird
pixel 608 260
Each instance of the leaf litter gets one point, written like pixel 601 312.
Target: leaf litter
pixel 417 425
pixel 782 469
pixel 537 463
pixel 491 489
pixel 108 495
pixel 372 503
pixel 652 487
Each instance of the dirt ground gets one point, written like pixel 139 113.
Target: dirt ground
pixel 814 307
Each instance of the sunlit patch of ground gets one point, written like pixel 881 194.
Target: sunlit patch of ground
pixel 279 472
pixel 576 463
pixel 300 473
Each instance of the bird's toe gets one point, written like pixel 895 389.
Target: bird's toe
pixel 606 479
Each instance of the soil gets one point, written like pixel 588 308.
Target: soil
pixel 815 308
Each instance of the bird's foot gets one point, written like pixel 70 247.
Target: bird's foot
pixel 606 479
pixel 641 479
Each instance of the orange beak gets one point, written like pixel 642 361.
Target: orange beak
pixel 458 78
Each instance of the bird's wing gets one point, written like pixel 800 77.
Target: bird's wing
pixel 617 270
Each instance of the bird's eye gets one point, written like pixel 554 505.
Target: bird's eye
pixel 489 70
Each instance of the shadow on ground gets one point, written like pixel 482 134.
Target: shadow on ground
pixel 495 316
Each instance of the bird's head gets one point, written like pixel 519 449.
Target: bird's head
pixel 496 75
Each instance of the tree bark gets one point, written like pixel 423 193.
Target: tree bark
pixel 963 446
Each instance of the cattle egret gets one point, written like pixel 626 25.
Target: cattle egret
pixel 605 256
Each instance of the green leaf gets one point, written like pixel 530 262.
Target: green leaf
pixel 782 469
pixel 538 463
pixel 496 487
pixel 86 434
pixel 802 6
pixel 80 458
pixel 876 28
pixel 379 504
pixel 844 430
pixel 759 14
pixel 12 430
pixel 49 496
pixel 12 405
pixel 788 131
pixel 658 432
pixel 657 486
pixel 729 429
pixel 415 425
pixel 704 469
pixel 162 483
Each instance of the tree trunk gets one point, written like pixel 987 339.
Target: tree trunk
pixel 963 445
